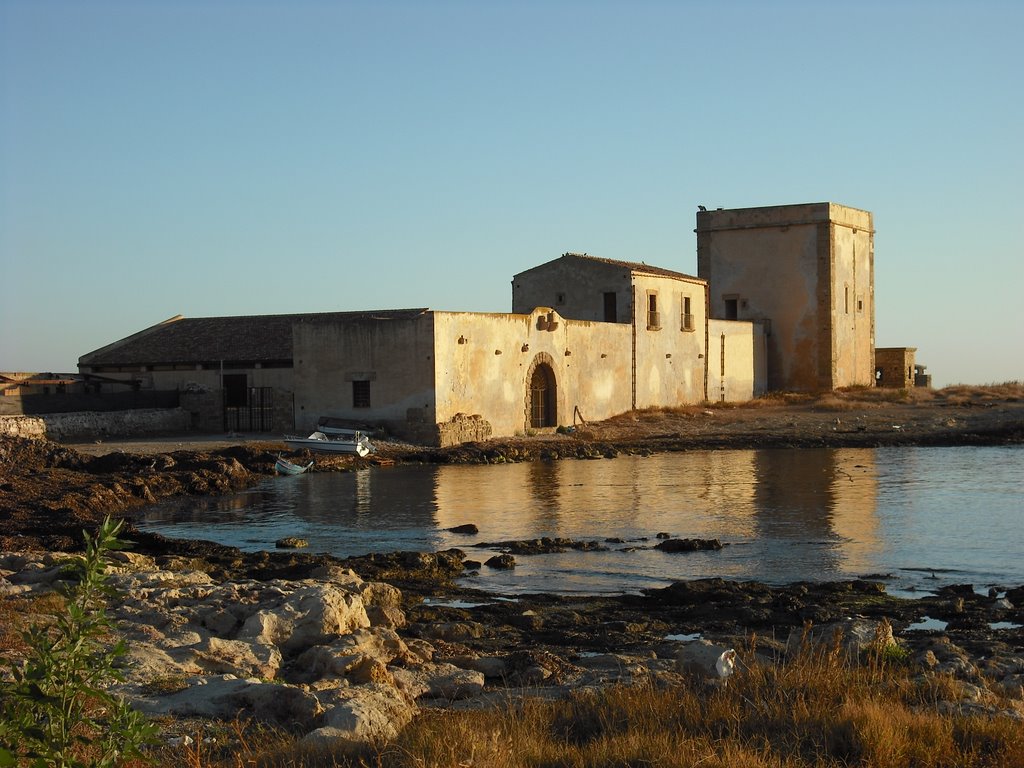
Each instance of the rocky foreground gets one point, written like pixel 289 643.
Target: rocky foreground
pixel 351 650
pixel 335 658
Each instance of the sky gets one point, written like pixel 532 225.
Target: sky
pixel 218 157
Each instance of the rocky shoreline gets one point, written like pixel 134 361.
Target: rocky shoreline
pixel 336 658
pixel 352 649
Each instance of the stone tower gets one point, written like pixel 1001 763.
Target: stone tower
pixel 806 272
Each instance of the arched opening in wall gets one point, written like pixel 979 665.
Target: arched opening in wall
pixel 543 397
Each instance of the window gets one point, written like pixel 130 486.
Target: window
pixel 611 310
pixel 560 298
pixel 685 316
pixel 653 316
pixel 360 394
pixel 731 312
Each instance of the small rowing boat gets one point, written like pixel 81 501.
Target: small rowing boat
pixel 285 467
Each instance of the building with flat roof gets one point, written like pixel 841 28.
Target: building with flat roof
pixel 806 274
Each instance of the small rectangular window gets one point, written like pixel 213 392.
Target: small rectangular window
pixel 731 311
pixel 360 394
pixel 653 316
pixel 686 317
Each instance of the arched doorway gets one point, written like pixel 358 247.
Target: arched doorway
pixel 543 397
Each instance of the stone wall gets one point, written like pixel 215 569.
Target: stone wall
pixel 62 426
pixel 205 410
pixel 894 367
pixel 463 429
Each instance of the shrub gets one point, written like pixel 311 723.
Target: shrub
pixel 56 709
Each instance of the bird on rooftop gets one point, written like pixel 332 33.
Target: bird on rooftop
pixel 701 208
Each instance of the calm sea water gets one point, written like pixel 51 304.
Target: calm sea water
pixel 922 516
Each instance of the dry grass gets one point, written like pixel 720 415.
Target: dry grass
pixel 236 743
pixel 815 710
pixel 956 394
pixel 858 398
pixel 1008 391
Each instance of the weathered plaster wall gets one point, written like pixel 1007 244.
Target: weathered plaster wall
pixel 853 300
pixel 91 424
pixel 396 357
pixel 669 360
pixel 736 360
pixel 485 361
pixel 184 378
pixel 771 276
pixel 574 288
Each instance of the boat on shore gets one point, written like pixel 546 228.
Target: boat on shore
pixel 356 443
pixel 285 467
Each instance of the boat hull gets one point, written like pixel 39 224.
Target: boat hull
pixel 285 467
pixel 320 443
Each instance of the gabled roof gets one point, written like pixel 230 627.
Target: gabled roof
pixel 256 338
pixel 635 267
pixel 641 268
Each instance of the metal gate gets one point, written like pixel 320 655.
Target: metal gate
pixel 257 415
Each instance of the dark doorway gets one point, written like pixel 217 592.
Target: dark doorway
pixel 543 397
pixel 235 390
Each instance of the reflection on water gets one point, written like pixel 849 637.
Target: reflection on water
pixel 786 515
pixel 814 496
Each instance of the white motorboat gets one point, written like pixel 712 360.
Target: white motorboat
pixel 356 443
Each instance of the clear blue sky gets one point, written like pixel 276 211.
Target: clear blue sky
pixel 210 157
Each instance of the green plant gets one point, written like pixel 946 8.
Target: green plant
pixel 56 709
